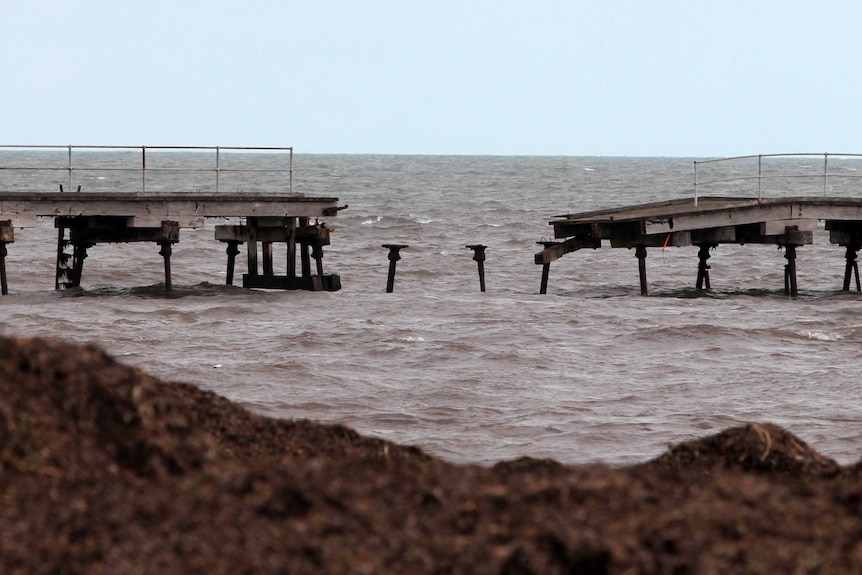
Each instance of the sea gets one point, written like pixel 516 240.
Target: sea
pixel 590 372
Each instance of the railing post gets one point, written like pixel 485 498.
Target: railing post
pixel 218 166
pixel 695 183
pixel 143 168
pixel 759 177
pixel 825 174
pixel 70 168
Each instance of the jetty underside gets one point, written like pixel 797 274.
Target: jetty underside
pixel 86 219
pixel 707 222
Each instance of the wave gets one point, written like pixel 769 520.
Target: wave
pixel 820 335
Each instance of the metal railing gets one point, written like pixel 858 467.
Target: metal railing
pixel 217 169
pixel 760 177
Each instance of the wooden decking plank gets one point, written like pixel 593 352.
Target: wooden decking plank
pixel 149 209
pixel 665 217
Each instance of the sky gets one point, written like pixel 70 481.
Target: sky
pixel 686 78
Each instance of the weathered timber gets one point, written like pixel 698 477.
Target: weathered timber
pixel 725 235
pixel 7 236
pixel 708 222
pixel 676 239
pixel 97 230
pixel 166 252
pixel 4 287
pixel 556 250
pixel 849 235
pixel 394 256
pixel 150 209
pixel 640 254
pixel 330 282
pixel 84 232
pixel 479 257
pixel 232 252
pixel 790 287
pixel 291 248
pixel 7 231
pixel 273 230
pixel 702 266
pixel 851 267
pixel 271 233
pixel 84 220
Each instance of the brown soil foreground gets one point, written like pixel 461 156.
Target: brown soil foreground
pixel 104 469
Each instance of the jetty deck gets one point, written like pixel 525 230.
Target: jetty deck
pixel 147 209
pixel 85 219
pixel 706 222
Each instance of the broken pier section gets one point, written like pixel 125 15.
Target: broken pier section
pixel 706 223
pixel 84 220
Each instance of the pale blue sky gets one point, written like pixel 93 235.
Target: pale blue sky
pixel 567 77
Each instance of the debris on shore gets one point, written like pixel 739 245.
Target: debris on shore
pixel 106 469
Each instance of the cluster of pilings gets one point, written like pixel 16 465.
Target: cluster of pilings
pixel 702 283
pixel 791 240
pixel 300 237
pixel 84 220
pixel 304 241
pixel 707 222
pixel 77 234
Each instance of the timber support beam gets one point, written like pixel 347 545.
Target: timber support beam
pixel 702 266
pixel 294 234
pixel 84 232
pixel 7 236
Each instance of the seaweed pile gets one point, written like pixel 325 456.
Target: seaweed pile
pixel 105 469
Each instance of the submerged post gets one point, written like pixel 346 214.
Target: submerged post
pixel 640 254
pixel 317 254
pixel 703 267
pixel 791 239
pixel 165 252
pixel 7 235
pixel 79 254
pixel 852 267
pixel 266 252
pixel 479 257
pixel 291 250
pixel 790 271
pixel 394 256
pixel 232 252
pixel 4 289
pixel 546 268
pixel 304 255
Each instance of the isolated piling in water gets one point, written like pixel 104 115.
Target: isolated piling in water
pixel 394 256
pixel 479 256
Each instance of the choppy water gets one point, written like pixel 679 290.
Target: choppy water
pixel 589 372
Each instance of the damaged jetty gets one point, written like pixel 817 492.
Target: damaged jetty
pixel 132 212
pixel 787 221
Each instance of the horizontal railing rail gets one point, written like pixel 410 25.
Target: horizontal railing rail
pixel 760 176
pixel 218 168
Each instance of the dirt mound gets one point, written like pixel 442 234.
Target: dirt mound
pixel 104 469
pixel 760 447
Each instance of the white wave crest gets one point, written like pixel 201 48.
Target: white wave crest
pixel 820 336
